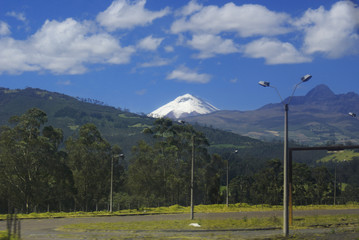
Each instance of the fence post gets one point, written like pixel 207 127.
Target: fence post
pixel 9 225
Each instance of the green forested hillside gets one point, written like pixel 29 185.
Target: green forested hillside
pixel 116 126
pixel 122 127
pixel 56 153
pixel 68 113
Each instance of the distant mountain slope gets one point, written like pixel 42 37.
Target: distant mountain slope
pixel 69 113
pixel 183 106
pixel 117 126
pixel 316 118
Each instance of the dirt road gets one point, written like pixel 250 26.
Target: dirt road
pixel 46 228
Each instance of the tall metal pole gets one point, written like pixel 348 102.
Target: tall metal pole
pixel 192 178
pixel 335 183
pixel 285 177
pixel 290 185
pixel 227 191
pixel 111 188
pixel 285 160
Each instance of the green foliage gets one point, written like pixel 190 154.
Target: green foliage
pixel 218 224
pixel 4 236
pixel 160 174
pixel 89 159
pixel 31 161
pixel 68 114
pixel 38 172
pixel 341 156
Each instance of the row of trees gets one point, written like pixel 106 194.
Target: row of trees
pixel 40 171
pixel 36 173
pixel 310 186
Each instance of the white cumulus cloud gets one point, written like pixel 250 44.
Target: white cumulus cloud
pixel 125 14
pixel 62 48
pixel 189 9
pixel 150 43
pixel 246 20
pixel 184 74
pixel 333 33
pixel 4 29
pixel 274 51
pixel 210 45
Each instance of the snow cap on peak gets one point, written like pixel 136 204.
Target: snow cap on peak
pixel 183 106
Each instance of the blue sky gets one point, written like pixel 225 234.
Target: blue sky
pixel 142 54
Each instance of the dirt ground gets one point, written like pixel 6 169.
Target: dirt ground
pixel 46 228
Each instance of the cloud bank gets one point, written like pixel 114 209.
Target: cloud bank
pixel 205 31
pixel 61 48
pixel 124 14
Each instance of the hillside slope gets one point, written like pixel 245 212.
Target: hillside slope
pixel 69 113
pixel 318 117
pixel 117 126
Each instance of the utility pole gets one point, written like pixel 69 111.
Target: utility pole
pixel 111 186
pixel 192 178
pixel 285 184
pixel 227 191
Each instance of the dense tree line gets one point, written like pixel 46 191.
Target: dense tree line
pixel 311 185
pixel 41 171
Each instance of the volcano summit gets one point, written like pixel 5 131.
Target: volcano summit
pixel 183 106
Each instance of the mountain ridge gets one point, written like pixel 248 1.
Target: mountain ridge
pixel 117 126
pixel 317 118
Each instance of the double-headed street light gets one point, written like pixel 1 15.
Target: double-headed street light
pixel 352 114
pixel 285 161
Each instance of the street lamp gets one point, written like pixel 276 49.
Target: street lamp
pixel 352 114
pixel 285 161
pixel 192 171
pixel 111 185
pixel 227 191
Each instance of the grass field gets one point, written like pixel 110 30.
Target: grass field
pixel 340 156
pixel 216 208
pixel 4 236
pixel 221 224
pixel 211 228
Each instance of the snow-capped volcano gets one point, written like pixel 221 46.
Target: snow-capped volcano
pixel 183 106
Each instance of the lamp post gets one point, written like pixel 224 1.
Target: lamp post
pixel 352 114
pixel 111 184
pixel 192 178
pixel 335 184
pixel 192 171
pixel 227 191
pixel 285 157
